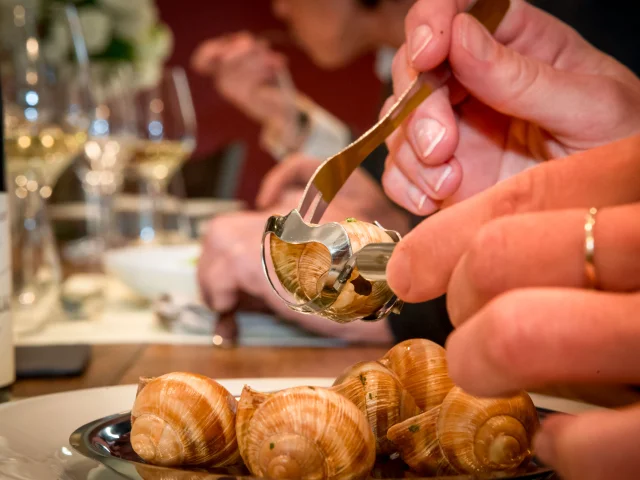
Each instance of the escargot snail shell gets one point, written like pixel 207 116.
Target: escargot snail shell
pixel 250 399
pixel 418 444
pixel 469 435
pixel 302 269
pixel 421 366
pixel 249 402
pixel 184 419
pixel 386 401
pixel 308 432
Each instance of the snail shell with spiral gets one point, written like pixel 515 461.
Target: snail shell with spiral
pixel 469 435
pixel 386 402
pixel 421 367
pixel 184 419
pixel 304 432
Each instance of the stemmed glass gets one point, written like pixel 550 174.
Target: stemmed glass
pixel 166 138
pixel 46 128
pixel 110 146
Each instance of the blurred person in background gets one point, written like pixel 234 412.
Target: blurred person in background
pixel 248 73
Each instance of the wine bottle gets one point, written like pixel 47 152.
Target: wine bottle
pixel 7 355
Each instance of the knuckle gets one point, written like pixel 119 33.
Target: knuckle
pixel 391 179
pixel 406 159
pixel 454 299
pixel 511 341
pixel 486 257
pixel 620 106
pixel 519 72
pixel 387 184
pixel 522 193
pixel 391 187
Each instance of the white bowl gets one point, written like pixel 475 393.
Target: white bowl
pixel 152 271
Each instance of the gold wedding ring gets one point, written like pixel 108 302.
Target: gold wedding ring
pixel 589 248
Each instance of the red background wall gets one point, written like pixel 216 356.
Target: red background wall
pixel 351 93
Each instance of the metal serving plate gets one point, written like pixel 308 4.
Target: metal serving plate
pixel 106 440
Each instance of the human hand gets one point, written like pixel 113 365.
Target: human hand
pixel 530 331
pixel 512 260
pixel 534 92
pixel 360 197
pixel 244 70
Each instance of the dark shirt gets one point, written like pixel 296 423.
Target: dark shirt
pixel 611 27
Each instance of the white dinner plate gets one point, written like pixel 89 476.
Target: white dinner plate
pixel 34 433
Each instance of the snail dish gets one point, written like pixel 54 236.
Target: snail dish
pixel 403 406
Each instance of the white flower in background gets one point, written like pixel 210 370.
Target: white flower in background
pixel 156 45
pixel 125 7
pixel 136 25
pixel 115 31
pixel 151 54
pixel 97 28
pixel 147 74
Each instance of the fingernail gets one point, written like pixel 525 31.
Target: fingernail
pixel 477 40
pixel 399 272
pixel 420 38
pixel 417 196
pixel 544 447
pixel 428 133
pixel 436 176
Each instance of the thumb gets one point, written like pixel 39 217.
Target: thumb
pixel 530 89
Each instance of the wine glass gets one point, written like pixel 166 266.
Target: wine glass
pixel 100 169
pixel 110 144
pixel 166 137
pixel 45 121
pixel 45 129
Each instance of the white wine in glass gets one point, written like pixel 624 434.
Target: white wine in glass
pixel 50 151
pixel 166 138
pixel 45 129
pixel 160 160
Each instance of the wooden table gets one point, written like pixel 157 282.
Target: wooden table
pixel 124 364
